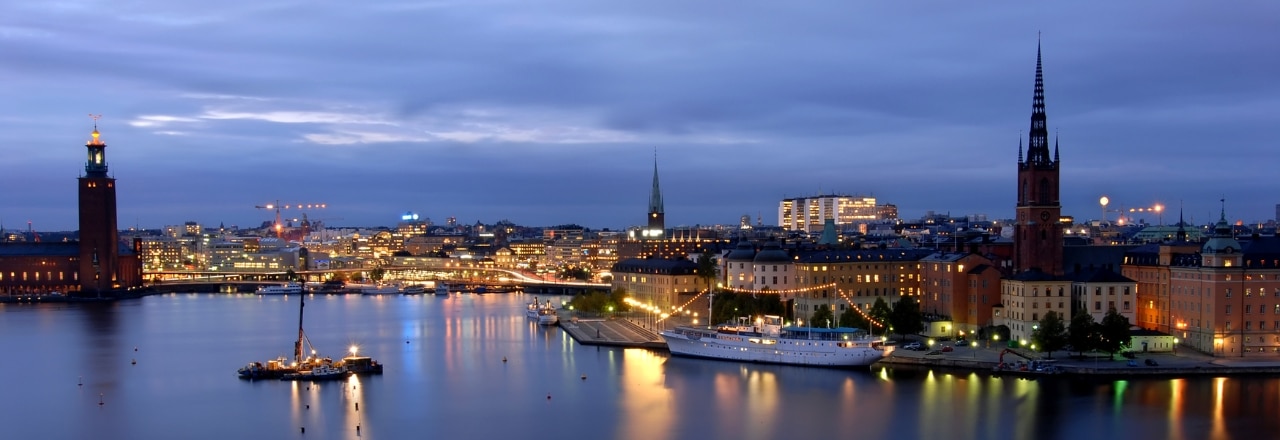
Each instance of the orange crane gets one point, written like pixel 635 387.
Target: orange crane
pixel 30 230
pixel 277 206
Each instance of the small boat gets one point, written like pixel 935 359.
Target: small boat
pixel 442 289
pixel 290 288
pixel 321 372
pixel 381 289
pixel 481 290
pixel 413 289
pixel 545 314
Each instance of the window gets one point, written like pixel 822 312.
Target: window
pixel 1126 306
pixel 1097 305
pixel 1228 309
pixel 1248 308
pixel 1228 292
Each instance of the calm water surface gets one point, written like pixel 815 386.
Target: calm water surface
pixel 445 377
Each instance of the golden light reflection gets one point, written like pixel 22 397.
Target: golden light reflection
pixel 1219 423
pixel 353 393
pixel 1176 389
pixel 649 405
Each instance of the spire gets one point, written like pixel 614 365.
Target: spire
pixel 1019 147
pixel 1182 232
pixel 655 194
pixel 96 165
pixel 1038 140
pixel 1056 138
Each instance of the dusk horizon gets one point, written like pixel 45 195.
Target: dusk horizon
pixel 552 113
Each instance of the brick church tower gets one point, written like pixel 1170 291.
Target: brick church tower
pixel 1038 232
pixel 99 237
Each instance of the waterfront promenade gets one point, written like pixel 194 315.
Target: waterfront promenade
pixel 623 332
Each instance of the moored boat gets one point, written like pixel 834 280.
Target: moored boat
pixel 766 340
pixel 313 367
pixel 381 289
pixel 442 289
pixel 413 289
pixel 283 289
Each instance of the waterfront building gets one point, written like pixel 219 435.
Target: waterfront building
pixel 853 278
pixel 809 213
pixel 1227 301
pixel 959 288
pixel 662 282
pixel 1100 291
pixel 98 263
pixel 737 268
pixel 1149 265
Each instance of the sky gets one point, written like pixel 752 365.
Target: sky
pixel 545 112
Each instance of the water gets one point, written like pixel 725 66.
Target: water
pixel 445 377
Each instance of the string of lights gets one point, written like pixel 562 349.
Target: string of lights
pixel 781 291
pixel 858 309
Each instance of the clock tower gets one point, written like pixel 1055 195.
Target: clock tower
pixel 1037 231
pixel 99 238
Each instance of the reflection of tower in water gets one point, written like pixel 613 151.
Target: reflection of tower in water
pixel 313 405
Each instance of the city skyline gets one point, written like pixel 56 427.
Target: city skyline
pixel 549 113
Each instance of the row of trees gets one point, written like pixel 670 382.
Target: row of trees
pixel 1082 334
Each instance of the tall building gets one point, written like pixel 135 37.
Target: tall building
pixel 99 237
pixel 1037 233
pixel 810 213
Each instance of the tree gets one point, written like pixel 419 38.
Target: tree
pixel 290 275
pixel 575 273
pixel 377 273
pixel 905 317
pixel 1050 333
pixel 822 317
pixel 1114 333
pixel 708 270
pixel 880 311
pixel 1080 332
pixel 851 318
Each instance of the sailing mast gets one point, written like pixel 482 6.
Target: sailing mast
pixel 297 346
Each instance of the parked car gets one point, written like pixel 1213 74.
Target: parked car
pixel 914 346
pixel 1151 363
pixel 962 343
pixel 947 348
pixel 1132 363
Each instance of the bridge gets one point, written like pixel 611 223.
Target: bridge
pixel 459 278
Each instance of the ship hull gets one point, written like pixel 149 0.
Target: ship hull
pixel 787 352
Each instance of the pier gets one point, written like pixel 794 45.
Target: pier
pixel 615 332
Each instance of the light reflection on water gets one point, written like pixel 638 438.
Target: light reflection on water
pixel 445 376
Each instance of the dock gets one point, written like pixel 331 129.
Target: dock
pixel 615 332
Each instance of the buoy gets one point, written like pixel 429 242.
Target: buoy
pixel 504 358
pixel 80 382
pixel 303 428
pixel 134 362
pixel 100 402
pixel 135 348
pixel 308 406
pixel 584 377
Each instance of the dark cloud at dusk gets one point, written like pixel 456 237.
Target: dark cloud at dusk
pixel 549 112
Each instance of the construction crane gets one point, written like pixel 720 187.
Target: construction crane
pixel 277 206
pixel 34 236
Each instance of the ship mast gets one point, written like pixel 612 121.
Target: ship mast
pixel 297 346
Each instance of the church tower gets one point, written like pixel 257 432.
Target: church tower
pixel 1038 234
pixel 99 237
pixel 656 228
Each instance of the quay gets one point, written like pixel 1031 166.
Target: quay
pixel 615 332
pixel 1180 363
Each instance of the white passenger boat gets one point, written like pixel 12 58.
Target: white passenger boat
pixel 766 340
pixel 413 289
pixel 284 289
pixel 381 289
pixel 545 314
pixel 442 289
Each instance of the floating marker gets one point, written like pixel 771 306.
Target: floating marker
pixel 133 362
pixel 80 382
pixel 100 402
pixel 548 396
pixel 584 377
pixel 303 428
pixel 135 348
pixel 504 358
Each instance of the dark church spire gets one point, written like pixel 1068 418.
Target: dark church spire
pixel 655 194
pixel 1038 139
